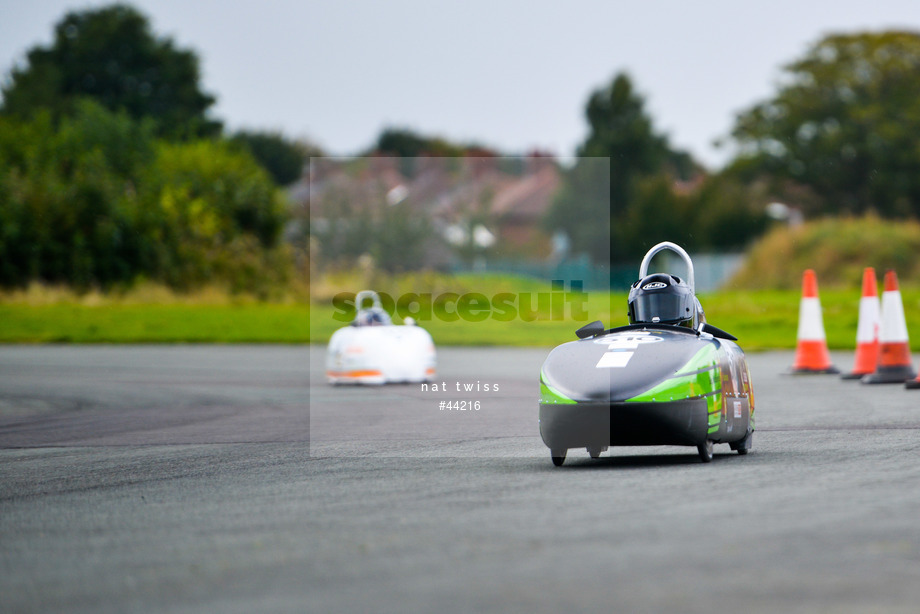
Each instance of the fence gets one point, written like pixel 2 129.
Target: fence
pixel 710 270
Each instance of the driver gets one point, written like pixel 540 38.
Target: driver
pixel 372 316
pixel 664 299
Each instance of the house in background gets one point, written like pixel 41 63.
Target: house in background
pixel 478 206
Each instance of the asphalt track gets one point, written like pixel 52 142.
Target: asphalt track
pixel 184 479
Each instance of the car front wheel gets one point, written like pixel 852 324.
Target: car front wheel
pixel 705 451
pixel 558 457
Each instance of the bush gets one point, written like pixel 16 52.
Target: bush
pixel 67 203
pixel 96 200
pixel 838 249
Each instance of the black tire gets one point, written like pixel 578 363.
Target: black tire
pixel 705 451
pixel 594 452
pixel 558 457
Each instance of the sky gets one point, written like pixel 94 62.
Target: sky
pixel 512 75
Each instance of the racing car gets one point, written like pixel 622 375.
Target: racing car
pixel 373 350
pixel 667 378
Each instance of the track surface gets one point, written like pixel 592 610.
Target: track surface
pixel 180 479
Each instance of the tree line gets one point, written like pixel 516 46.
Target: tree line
pixel 95 198
pixel 112 167
pixel 840 137
pixel 648 192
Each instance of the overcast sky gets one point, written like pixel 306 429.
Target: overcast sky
pixel 512 75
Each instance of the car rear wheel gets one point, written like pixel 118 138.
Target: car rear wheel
pixel 595 452
pixel 558 457
pixel 744 445
pixel 705 451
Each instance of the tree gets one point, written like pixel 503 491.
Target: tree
pixel 282 158
pixel 621 132
pixel 69 212
pixel 111 56
pixel 581 209
pixel 354 218
pixel 408 144
pixel 843 125
pixel 213 214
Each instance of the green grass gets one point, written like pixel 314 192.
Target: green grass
pixel 170 323
pixel 768 319
pixel 543 331
pixel 761 320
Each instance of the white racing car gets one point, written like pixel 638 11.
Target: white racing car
pixel 373 350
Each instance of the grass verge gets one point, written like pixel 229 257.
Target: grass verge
pixel 761 319
pixel 168 323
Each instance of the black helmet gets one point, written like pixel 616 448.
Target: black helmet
pixel 662 299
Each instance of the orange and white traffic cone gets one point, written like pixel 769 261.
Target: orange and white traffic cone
pixel 894 363
pixel 867 329
pixel 811 355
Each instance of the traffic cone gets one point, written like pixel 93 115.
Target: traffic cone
pixel 811 355
pixel 913 383
pixel 867 329
pixel 894 363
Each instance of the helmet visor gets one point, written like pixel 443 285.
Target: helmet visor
pixel 666 307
